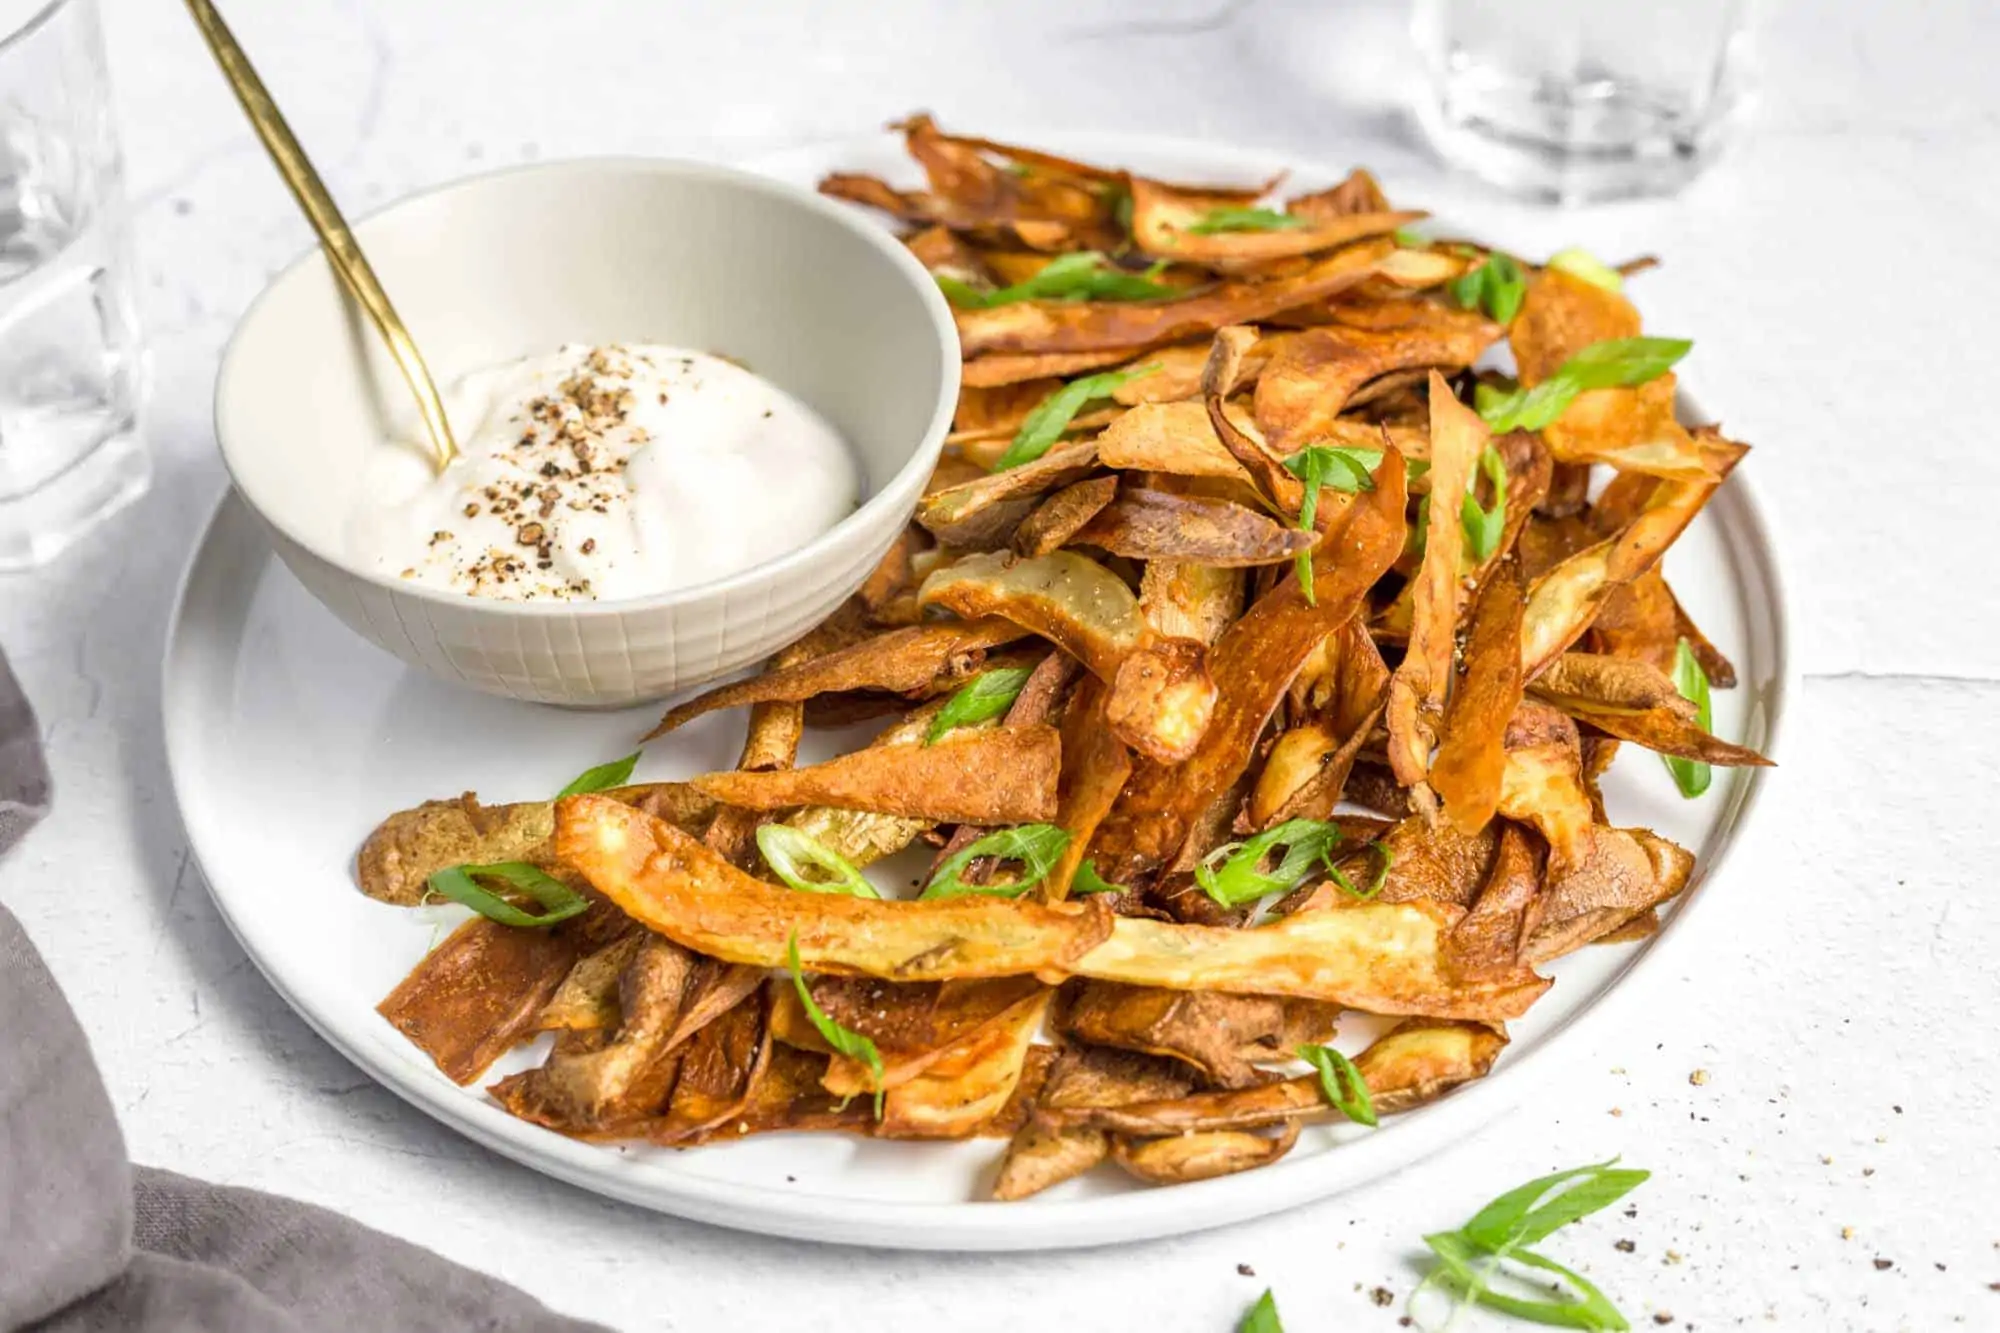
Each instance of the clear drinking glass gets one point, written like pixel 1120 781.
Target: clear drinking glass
pixel 1577 100
pixel 72 366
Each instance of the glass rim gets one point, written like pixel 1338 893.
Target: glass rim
pixel 34 24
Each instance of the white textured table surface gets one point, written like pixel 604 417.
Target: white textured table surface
pixel 1839 1167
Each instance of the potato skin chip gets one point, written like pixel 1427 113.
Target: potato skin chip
pixel 475 996
pixel 672 884
pixel 1095 765
pixel 1091 326
pixel 1162 216
pixel 1471 756
pixel 1561 315
pixel 1386 958
pixel 1190 601
pixel 1145 524
pixel 1311 382
pixel 1414 1063
pixel 1189 1157
pixel 903 661
pixel 1161 694
pixel 1419 687
pixel 983 513
pixel 1005 775
pixel 1253 663
pixel 1636 702
pixel 1056 521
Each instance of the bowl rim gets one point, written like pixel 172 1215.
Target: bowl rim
pixel 871 512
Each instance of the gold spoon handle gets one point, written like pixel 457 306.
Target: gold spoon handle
pixel 342 250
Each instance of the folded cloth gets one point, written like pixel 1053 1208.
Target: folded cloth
pixel 24 777
pixel 88 1242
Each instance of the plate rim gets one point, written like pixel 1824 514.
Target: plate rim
pixel 985 1226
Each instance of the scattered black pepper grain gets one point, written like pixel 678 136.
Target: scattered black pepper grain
pixel 1245 1270
pixel 1883 1265
pixel 589 545
pixel 1625 1246
pixel 1662 1317
pixel 1382 1296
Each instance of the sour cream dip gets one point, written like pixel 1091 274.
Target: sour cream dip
pixel 601 473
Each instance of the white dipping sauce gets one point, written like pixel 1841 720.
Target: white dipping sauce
pixel 604 473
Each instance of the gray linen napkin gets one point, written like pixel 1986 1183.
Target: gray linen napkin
pixel 89 1242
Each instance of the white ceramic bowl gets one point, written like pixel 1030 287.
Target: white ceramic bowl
pixel 485 270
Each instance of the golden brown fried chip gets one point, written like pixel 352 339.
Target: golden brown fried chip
pixel 1489 937
pixel 1187 1157
pixel 1253 663
pixel 1617 875
pixel 1161 695
pixel 1386 958
pixel 1095 765
pixel 1218 1035
pixel 904 661
pixel 1090 326
pixel 1471 756
pixel 1145 524
pixel 1542 783
pixel 1312 381
pixel 1162 217
pixel 970 1081
pixel 672 884
pixel 1175 438
pixel 1056 521
pixel 1415 1062
pixel 1560 316
pixel 1632 429
pixel 1358 193
pixel 1419 1060
pixel 631 1074
pixel 475 996
pixel 1002 368
pixel 982 514
pixel 587 1000
pixel 1636 702
pixel 1564 601
pixel 1181 600
pixel 1418 689
pixel 1043 1155
pixel 719 1068
pixel 1006 775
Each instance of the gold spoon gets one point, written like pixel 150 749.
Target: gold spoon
pixel 342 250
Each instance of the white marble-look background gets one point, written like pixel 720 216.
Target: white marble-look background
pixel 1838 1169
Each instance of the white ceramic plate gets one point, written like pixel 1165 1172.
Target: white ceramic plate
pixel 289 738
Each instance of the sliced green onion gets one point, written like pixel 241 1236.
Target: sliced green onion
pixel 790 852
pixel 1045 424
pixel 1230 874
pixel 1611 364
pixel 1245 219
pixel 1036 846
pixel 602 778
pixel 987 695
pixel 1341 1083
pixel 459 883
pixel 843 1040
pixel 1087 880
pixel 1691 775
pixel 1316 466
pixel 1411 239
pixel 1580 263
pixel 1263 1316
pixel 1083 276
pixel 1484 527
pixel 1470 1259
pixel 1498 286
